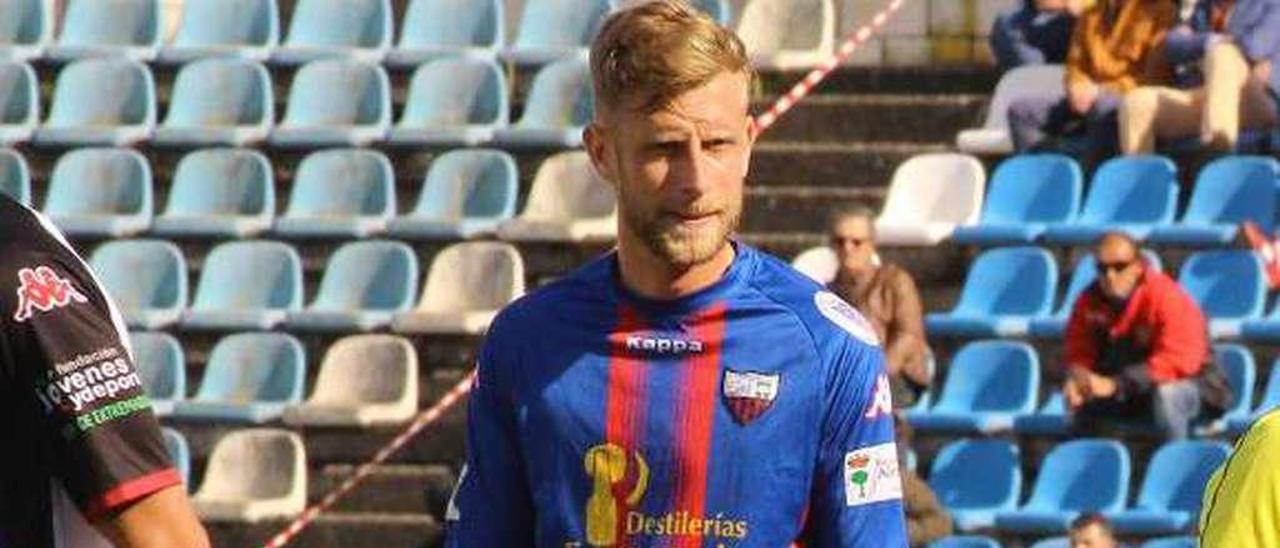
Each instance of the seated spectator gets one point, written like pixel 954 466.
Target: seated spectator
pixel 1037 33
pixel 1222 56
pixel 1114 48
pixel 927 520
pixel 887 297
pixel 1136 343
pixel 1092 530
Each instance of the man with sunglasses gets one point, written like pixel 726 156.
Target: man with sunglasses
pixel 1136 344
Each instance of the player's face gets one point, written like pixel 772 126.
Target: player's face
pixel 679 171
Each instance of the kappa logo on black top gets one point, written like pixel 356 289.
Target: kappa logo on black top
pixel 40 289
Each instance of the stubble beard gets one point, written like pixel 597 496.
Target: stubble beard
pixel 681 248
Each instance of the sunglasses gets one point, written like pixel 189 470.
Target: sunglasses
pixel 839 241
pixel 1117 267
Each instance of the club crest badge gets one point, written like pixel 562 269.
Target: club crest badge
pixel 748 394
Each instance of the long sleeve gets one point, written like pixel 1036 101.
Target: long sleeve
pixel 1254 26
pixel 1181 340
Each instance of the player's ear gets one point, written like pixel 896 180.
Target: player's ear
pixel 596 138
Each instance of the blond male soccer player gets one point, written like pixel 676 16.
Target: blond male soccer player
pixel 684 390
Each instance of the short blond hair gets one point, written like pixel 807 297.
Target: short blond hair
pixel 656 51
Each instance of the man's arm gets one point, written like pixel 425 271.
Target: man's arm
pixel 906 338
pixel 1258 37
pixel 135 526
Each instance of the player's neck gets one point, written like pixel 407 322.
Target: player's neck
pixel 651 276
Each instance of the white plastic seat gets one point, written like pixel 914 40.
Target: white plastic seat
pixel 467 284
pixel 364 380
pixel 1025 81
pixel 818 263
pixel 931 194
pixel 254 475
pixel 788 34
pixel 568 202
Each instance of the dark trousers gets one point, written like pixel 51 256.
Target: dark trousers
pixel 1039 123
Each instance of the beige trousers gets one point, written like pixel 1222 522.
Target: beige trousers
pixel 1229 101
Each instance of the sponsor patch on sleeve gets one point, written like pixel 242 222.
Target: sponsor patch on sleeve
pixel 846 316
pixel 871 475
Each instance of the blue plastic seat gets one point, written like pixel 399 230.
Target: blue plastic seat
pixel 1242 376
pixel 247 29
pixel 365 284
pixel 147 279
pixel 720 10
pixel 1004 290
pixel 250 378
pixel 1270 400
pixel 1169 499
pixel 556 29
pixel 220 192
pixel 237 111
pixel 340 193
pixel 1132 194
pixel 1230 287
pixel 1085 272
pixel 1228 191
pixel 162 365
pixel 1076 476
pixel 179 451
pixel 976 479
pixel 1026 193
pixel 100 192
pixel 1049 420
pixel 353 29
pixel 559 106
pixel 26 29
pixel 988 384
pixel 1053 542
pixel 19 102
pixel 1171 542
pixel 246 285
pixel 432 29
pixel 100 102
pixel 964 541
pixel 15 176
pixel 455 101
pixel 120 28
pixel 466 193
pixel 336 103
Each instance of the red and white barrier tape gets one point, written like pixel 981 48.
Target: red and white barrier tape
pixel 423 420
pixel 818 74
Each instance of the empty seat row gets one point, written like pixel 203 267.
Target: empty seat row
pixel 978 541
pixel 367 285
pixel 451 101
pixel 336 193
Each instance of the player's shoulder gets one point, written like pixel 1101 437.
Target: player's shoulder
pixel 24 234
pixel 573 295
pixel 826 316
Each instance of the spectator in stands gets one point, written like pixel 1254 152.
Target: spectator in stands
pixel 1092 530
pixel 1114 48
pixel 927 520
pixel 1136 343
pixel 887 297
pixel 1222 55
pixel 1037 33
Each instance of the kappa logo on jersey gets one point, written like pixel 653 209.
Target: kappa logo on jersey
pixel 40 289
pixel 846 316
pixel 871 475
pixel 662 345
pixel 882 402
pixel 749 394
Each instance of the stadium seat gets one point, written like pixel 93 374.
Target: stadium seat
pixel 253 475
pixel 147 279
pixel 237 110
pixel 100 102
pixel 788 34
pixel 1132 194
pixel 466 286
pixel 250 378
pixel 1027 192
pixel 1053 542
pixel 1049 420
pixel 1169 499
pixel 162 365
pixel 19 102
pixel 120 28
pixel 974 479
pixel 246 285
pixel 364 380
pixel 930 195
pixel 1270 400
pixel 340 193
pixel 336 103
pixel 432 29
pixel 455 101
pixel 359 30
pixel 557 109
pixel 1085 272
pixel 15 176
pixel 179 451
pixel 1242 375
pixel 819 263
pixel 365 283
pixel 247 29
pixel 1076 476
pixel 988 384
pixel 1005 289
pixel 720 10
pixel 1025 81
pixel 555 29
pixel 100 192
pixel 1228 191
pixel 567 202
pixel 1171 542
pixel 1230 287
pixel 466 193
pixel 219 193
pixel 964 542
pixel 26 29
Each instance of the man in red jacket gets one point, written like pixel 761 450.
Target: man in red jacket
pixel 1135 345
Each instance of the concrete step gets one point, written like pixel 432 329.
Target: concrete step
pixel 831 164
pixel 396 488
pixel 924 79
pixel 801 209
pixel 338 530
pixel 879 117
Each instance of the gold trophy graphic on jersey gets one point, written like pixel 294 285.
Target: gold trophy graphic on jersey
pixel 607 464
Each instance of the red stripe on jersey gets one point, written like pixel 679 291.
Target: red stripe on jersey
pixel 131 491
pixel 695 415
pixel 625 406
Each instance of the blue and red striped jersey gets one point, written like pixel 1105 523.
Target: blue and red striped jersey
pixel 754 412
